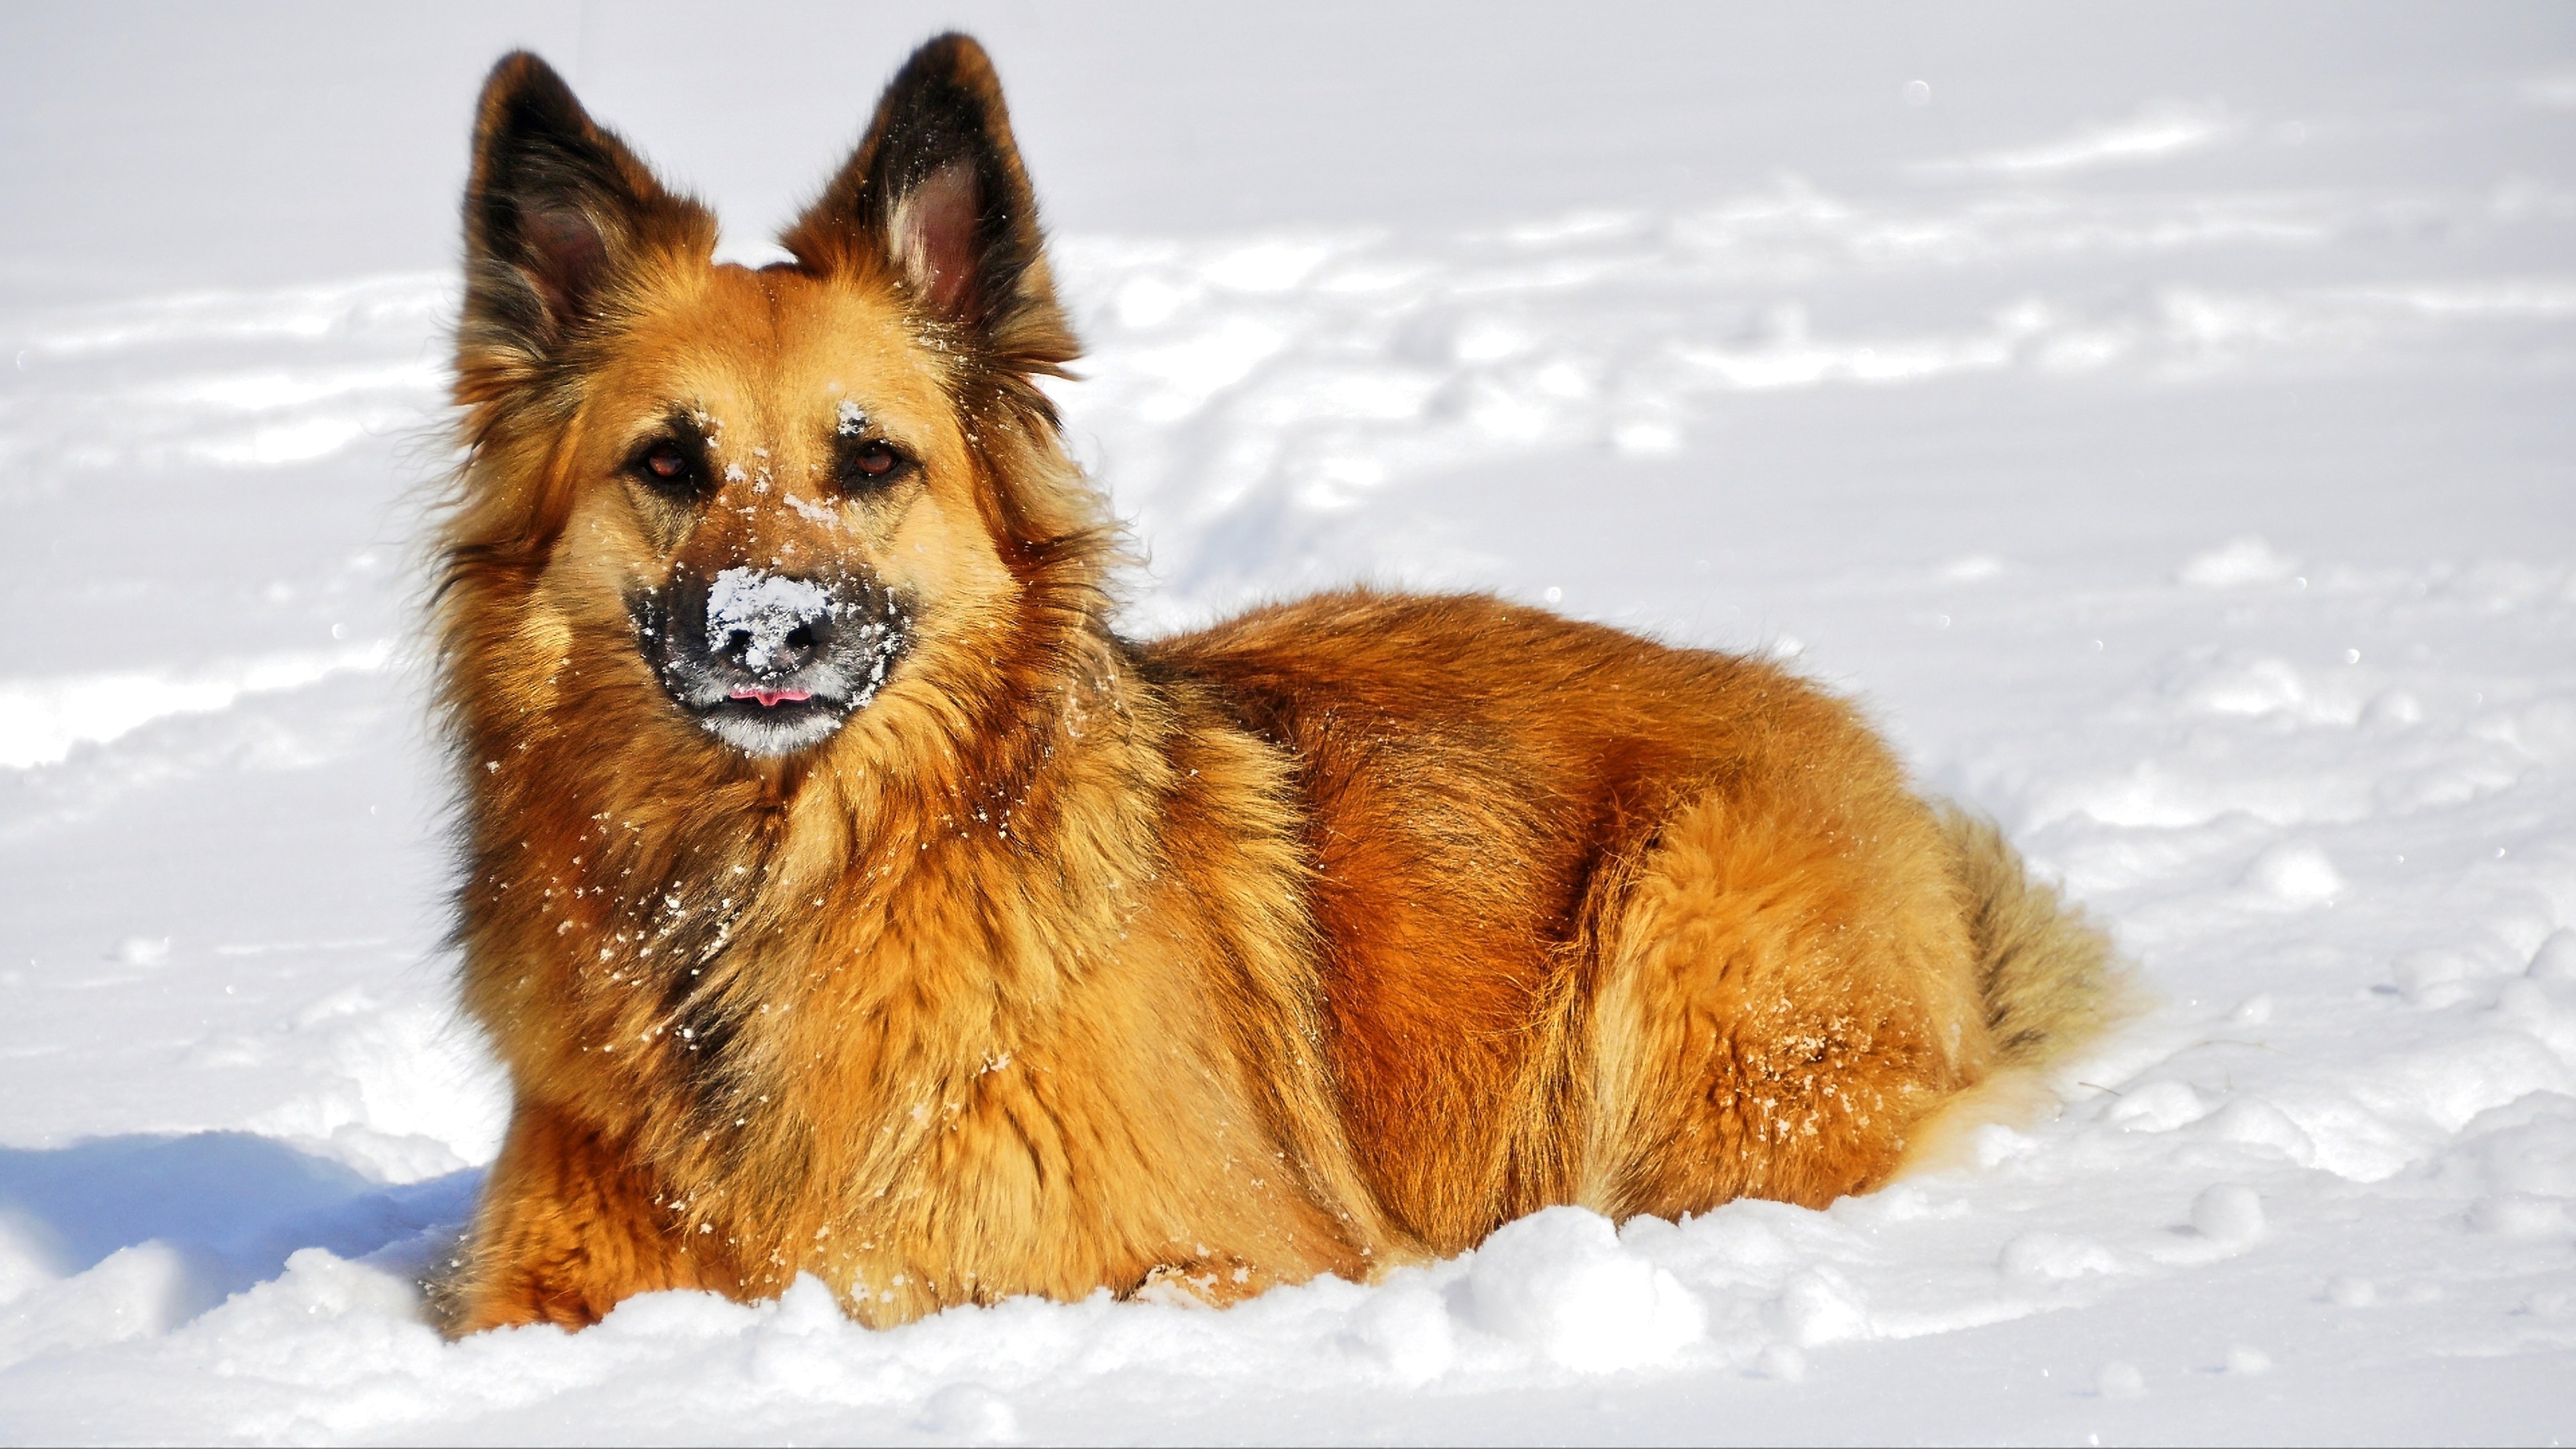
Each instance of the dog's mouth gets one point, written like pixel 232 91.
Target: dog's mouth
pixel 773 721
pixel 767 664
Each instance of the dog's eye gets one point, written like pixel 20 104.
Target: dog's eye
pixel 666 467
pixel 874 459
pixel 871 463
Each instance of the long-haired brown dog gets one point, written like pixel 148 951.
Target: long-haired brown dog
pixel 844 896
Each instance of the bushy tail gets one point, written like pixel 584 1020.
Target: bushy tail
pixel 2051 978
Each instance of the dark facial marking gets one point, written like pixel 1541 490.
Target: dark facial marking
pixel 768 664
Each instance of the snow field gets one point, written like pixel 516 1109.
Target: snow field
pixel 2178 484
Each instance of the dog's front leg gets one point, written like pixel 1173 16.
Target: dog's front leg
pixel 569 1225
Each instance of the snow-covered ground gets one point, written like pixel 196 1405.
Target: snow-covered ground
pixel 2161 417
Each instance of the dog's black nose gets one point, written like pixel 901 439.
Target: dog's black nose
pixel 767 625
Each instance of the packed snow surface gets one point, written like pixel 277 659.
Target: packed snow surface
pixel 2179 465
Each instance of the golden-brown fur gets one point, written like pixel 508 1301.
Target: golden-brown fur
pixel 1336 935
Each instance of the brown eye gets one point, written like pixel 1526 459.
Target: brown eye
pixel 865 465
pixel 668 466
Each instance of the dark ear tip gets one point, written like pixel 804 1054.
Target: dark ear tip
pixel 521 82
pixel 519 70
pixel 954 56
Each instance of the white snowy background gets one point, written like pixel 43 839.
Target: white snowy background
pixel 2160 416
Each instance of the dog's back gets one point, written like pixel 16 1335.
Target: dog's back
pixel 1490 791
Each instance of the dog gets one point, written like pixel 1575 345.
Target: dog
pixel 844 895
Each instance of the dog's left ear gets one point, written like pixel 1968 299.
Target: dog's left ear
pixel 936 193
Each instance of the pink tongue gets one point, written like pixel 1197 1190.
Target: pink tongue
pixel 772 696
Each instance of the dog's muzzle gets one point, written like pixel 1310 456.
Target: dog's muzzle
pixel 769 663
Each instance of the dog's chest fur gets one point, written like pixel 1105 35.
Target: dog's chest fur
pixel 929 1040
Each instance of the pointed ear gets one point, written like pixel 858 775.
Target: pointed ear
pixel 936 193
pixel 557 210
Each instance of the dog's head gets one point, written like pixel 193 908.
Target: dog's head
pixel 750 506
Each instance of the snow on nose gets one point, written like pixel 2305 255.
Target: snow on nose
pixel 762 610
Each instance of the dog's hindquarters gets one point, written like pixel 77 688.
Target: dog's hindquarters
pixel 1787 985
pixel 1809 988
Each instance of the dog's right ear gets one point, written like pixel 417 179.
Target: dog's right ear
pixel 557 213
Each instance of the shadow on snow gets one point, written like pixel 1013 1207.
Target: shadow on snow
pixel 233 1205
